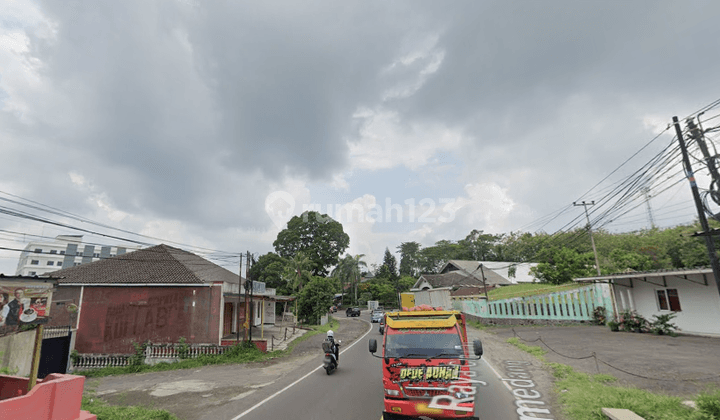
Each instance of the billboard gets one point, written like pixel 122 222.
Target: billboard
pixel 25 302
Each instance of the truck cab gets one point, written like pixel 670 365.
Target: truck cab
pixel 425 360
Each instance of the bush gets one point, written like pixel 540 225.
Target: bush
pixel 599 316
pixel 661 325
pixel 631 321
pixel 614 325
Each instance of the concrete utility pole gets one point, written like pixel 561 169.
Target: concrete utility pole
pixel 709 242
pixel 592 240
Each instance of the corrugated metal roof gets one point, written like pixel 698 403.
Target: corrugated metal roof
pixel 161 264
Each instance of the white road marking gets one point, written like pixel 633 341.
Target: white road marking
pixel 498 375
pixel 296 382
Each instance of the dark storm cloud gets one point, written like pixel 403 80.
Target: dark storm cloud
pixel 176 99
pixel 515 61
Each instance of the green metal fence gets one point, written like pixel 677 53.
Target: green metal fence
pixel 571 305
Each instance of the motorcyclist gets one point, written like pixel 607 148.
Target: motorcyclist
pixel 335 345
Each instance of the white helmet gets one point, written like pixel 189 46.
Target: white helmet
pixel 331 334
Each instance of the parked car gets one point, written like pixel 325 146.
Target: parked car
pixel 377 315
pixel 352 312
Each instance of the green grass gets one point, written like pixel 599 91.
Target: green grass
pixel 103 411
pixel 529 289
pixel 536 351
pixel 583 395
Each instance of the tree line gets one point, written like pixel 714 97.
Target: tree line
pixel 307 260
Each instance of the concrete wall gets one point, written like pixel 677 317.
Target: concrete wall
pixel 112 318
pixel 16 352
pixel 700 304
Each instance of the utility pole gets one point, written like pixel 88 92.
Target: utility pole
pixel 240 286
pixel 482 273
pixel 646 193
pixel 709 242
pixel 592 240
pixel 250 282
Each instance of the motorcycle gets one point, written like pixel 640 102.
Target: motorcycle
pixel 330 363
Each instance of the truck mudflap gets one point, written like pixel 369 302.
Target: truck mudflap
pixel 394 416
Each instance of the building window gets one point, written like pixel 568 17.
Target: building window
pixel 62 252
pixel 53 251
pixel 38 250
pixel 96 255
pixel 668 300
pixel 50 263
pixel 31 273
pixel 34 262
pixel 78 254
pixel 59 264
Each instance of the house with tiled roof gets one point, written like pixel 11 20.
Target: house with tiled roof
pixel 158 294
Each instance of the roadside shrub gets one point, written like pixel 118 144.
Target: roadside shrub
pixel 661 324
pixel 138 358
pixel 631 321
pixel 183 348
pixel 599 316
pixel 614 325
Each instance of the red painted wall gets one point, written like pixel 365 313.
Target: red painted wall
pixel 57 397
pixel 112 318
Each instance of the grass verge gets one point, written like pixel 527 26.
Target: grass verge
pixel 584 395
pixel 103 411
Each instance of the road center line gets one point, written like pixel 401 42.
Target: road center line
pixel 306 375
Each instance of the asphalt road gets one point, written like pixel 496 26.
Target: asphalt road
pixel 354 391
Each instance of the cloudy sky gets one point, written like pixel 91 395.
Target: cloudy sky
pixel 209 124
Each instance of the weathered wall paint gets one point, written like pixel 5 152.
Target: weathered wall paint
pixel 112 318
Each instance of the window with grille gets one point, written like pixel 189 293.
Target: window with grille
pixel 668 300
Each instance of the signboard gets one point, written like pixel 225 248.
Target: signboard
pixel 24 302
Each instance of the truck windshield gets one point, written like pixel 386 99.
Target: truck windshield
pixel 423 345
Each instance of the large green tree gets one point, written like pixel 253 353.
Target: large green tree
pixel 270 268
pixel 318 236
pixel 316 298
pixel 409 258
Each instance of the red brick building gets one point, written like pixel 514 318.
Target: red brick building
pixel 159 294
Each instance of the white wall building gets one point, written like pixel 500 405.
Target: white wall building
pixel 691 294
pixel 42 257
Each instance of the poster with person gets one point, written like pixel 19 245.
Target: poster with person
pixel 24 303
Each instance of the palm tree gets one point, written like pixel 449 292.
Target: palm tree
pixel 297 271
pixel 348 272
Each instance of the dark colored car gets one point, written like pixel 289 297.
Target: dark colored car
pixel 382 325
pixel 352 312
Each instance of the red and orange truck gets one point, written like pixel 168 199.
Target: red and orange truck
pixel 426 365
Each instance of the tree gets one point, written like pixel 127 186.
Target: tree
pixel 348 272
pixel 297 272
pixel 409 258
pixel 563 265
pixel 481 246
pixel 318 236
pixel 316 298
pixel 270 269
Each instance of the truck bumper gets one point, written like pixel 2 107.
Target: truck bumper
pixel 412 409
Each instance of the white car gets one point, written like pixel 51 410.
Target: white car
pixel 377 316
